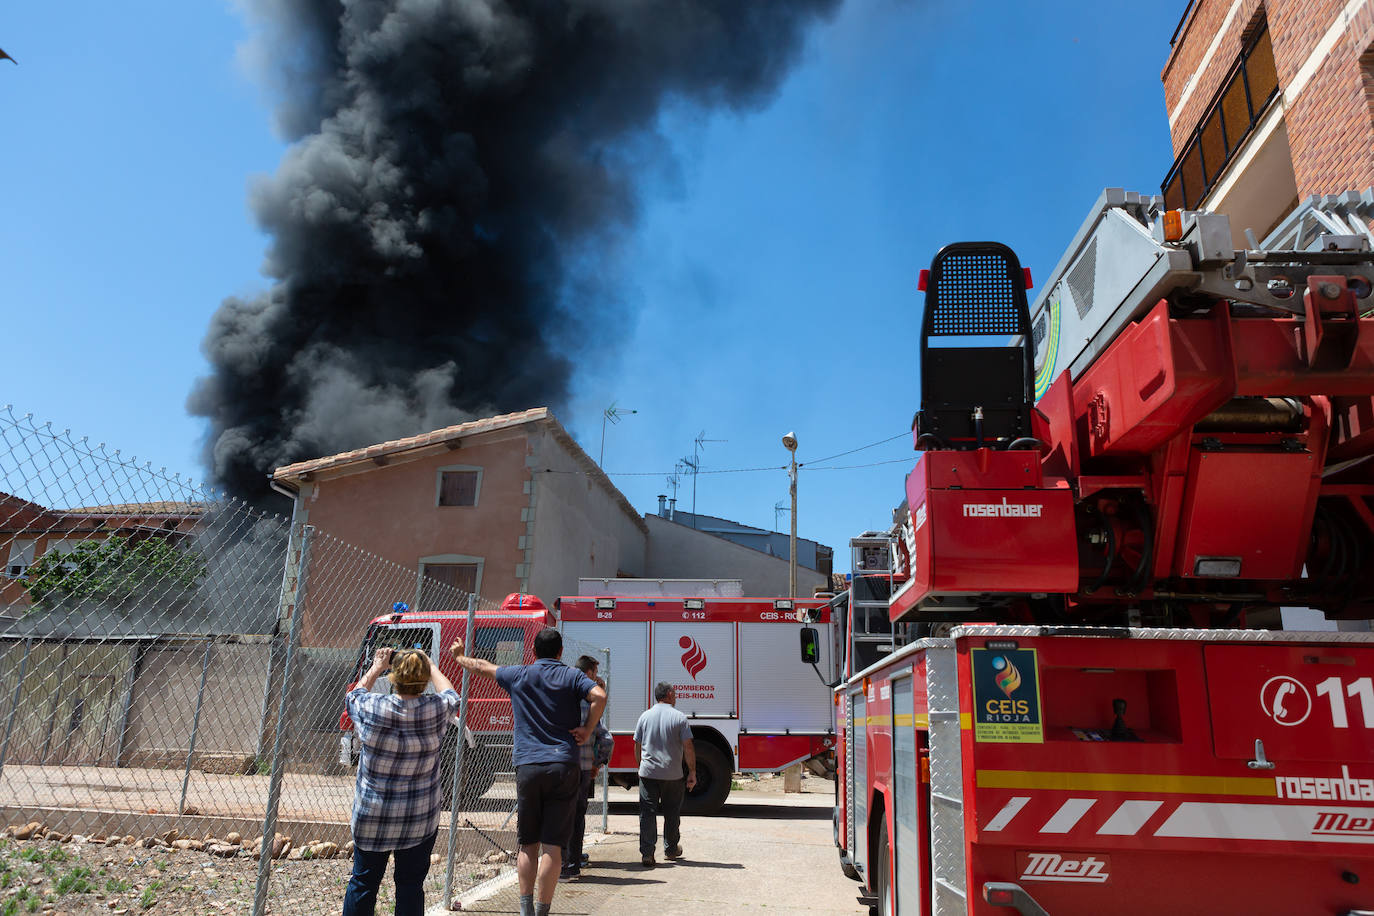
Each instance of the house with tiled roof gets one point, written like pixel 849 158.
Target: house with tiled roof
pixel 29 530
pixel 504 504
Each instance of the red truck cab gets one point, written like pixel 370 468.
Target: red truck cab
pixel 503 636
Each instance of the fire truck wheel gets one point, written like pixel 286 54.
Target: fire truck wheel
pixel 713 780
pixel 479 773
pixel 881 869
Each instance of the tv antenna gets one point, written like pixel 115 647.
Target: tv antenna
pixel 780 508
pixel 698 446
pixel 675 479
pixel 612 413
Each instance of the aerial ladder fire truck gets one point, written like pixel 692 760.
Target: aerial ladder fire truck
pixel 1088 706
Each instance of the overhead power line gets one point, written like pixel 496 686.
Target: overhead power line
pixel 853 450
pixel 872 464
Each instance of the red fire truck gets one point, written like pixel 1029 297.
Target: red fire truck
pixel 754 676
pixel 1179 439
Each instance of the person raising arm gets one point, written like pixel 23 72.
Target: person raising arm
pixel 596 699
pixel 547 727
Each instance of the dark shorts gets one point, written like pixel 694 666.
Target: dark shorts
pixel 546 798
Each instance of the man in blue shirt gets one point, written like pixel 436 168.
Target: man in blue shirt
pixel 546 700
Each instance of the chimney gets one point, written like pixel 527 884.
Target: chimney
pixel 662 506
pixel 672 507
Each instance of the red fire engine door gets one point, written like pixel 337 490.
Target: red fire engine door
pixel 698 659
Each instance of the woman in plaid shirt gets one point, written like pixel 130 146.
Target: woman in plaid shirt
pixel 398 796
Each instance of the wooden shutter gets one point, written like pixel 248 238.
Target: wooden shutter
pixel 458 488
pixel 455 578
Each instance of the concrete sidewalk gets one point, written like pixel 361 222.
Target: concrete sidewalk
pixel 766 852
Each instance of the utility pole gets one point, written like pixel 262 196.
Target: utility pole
pixel 789 442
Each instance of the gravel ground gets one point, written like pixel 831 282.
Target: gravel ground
pixel 83 876
pixel 47 876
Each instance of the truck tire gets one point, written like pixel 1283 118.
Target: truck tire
pixel 479 773
pixel 713 780
pixel 881 871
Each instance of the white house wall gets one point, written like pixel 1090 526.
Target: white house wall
pixel 577 527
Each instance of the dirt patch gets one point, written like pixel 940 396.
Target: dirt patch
pixel 81 877
pixel 773 782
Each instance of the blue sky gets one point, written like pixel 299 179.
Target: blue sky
pixel 769 286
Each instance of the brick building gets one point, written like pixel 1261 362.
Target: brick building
pixel 28 531
pixel 1269 102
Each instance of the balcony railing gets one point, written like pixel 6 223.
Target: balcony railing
pixel 1249 88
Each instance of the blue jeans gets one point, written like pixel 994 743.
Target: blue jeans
pixel 572 850
pixel 660 796
pixel 370 867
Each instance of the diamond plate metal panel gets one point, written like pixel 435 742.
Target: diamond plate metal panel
pixel 859 854
pixel 906 841
pixel 850 776
pixel 946 782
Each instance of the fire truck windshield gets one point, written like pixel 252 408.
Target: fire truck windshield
pixel 379 637
pixel 499 645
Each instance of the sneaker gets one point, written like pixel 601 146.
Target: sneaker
pixel 569 871
pixel 674 853
pixel 647 861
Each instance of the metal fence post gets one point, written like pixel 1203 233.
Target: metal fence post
pixel 459 749
pixel 14 703
pixel 195 724
pixel 269 823
pixel 290 576
pixel 606 770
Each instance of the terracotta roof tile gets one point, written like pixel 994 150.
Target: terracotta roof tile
pixel 422 440
pixel 158 507
pixel 302 469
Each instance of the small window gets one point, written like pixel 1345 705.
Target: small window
pixel 1213 142
pixel 1260 71
pixel 458 488
pixel 1193 182
pixel 499 645
pixel 20 558
pixel 1173 193
pixel 1236 113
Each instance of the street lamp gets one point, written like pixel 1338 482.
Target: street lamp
pixel 789 442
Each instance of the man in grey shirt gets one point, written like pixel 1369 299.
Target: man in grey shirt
pixel 663 737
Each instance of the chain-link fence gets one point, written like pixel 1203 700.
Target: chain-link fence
pixel 173 666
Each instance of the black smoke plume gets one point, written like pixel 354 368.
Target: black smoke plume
pixel 445 221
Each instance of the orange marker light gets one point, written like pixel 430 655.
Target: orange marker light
pixel 1173 225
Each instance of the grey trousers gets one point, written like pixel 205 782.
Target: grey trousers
pixel 660 796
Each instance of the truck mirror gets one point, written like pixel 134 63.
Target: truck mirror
pixel 810 646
